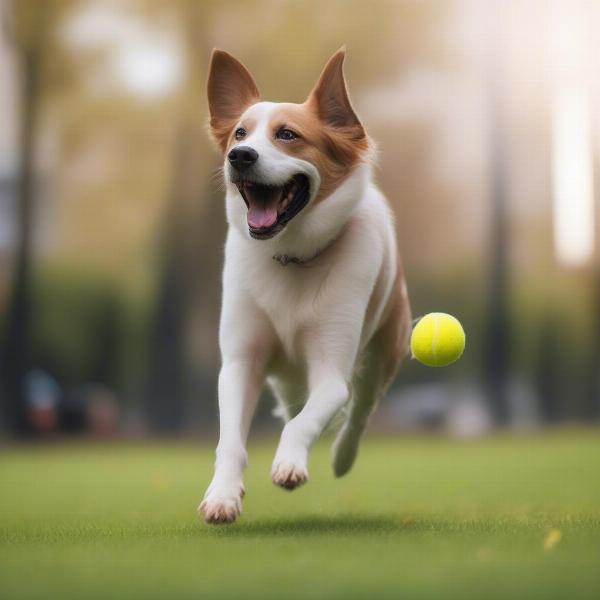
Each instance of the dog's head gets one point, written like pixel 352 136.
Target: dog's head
pixel 284 159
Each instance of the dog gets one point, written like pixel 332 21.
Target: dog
pixel 315 302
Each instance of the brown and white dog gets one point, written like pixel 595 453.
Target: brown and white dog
pixel 314 299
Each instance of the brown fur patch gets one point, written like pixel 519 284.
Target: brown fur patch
pixel 394 332
pixel 332 137
pixel 335 151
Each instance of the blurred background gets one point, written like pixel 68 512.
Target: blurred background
pixel 112 223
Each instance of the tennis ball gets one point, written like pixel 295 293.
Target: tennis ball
pixel 437 340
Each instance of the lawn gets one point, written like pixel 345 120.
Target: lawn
pixel 505 517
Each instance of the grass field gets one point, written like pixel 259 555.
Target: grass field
pixel 506 517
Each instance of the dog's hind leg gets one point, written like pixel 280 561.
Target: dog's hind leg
pixel 381 360
pixel 367 389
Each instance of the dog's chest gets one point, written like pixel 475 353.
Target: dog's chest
pixel 289 297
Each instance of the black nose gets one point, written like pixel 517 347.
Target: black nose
pixel 242 157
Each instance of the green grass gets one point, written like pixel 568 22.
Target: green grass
pixel 417 518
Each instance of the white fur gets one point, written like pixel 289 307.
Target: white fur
pixel 302 327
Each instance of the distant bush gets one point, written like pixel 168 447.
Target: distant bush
pixel 86 328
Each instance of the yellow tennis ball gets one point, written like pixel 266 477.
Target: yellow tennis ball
pixel 437 340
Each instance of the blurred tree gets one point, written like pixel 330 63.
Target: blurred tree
pixel 108 336
pixel 46 71
pixel 497 339
pixel 165 391
pixel 592 408
pixel 549 369
pixel 28 27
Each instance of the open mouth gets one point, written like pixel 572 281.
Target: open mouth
pixel 271 207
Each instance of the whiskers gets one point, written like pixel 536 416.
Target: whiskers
pixel 217 180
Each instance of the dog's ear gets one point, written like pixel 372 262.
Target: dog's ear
pixel 231 89
pixel 329 97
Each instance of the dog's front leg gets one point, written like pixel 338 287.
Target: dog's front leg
pixel 328 375
pixel 239 387
pixel 330 347
pixel 327 397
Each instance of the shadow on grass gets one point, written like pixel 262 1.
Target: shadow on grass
pixel 312 525
pixel 302 525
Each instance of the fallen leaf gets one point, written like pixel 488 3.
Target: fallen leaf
pixel 554 536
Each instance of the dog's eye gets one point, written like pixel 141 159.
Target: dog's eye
pixel 240 133
pixel 286 134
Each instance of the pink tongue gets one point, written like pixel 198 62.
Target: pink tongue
pixel 261 215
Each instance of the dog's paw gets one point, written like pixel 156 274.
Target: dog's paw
pixel 221 506
pixel 288 475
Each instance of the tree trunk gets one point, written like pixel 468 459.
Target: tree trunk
pixel 497 334
pixel 165 390
pixel 16 351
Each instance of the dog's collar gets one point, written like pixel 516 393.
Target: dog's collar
pixel 286 259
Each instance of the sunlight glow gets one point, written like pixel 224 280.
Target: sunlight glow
pixel 572 157
pixel 572 178
pixel 140 58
